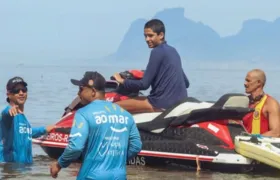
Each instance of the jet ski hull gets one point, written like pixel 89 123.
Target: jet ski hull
pixel 181 146
pixel 229 157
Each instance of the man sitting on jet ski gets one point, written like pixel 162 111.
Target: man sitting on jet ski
pixel 266 118
pixel 164 74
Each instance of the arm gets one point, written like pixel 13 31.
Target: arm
pixel 38 131
pixel 186 80
pixel 149 75
pixel 6 117
pixel 77 140
pixel 273 109
pixel 135 144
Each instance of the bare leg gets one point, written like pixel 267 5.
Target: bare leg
pixel 137 105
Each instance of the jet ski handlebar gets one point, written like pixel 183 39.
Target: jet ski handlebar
pixel 132 74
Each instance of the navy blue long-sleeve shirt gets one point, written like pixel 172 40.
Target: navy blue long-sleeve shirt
pixel 165 74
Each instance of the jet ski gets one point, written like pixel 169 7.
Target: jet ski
pixel 192 133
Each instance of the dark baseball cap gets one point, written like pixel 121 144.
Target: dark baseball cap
pixel 11 84
pixel 91 79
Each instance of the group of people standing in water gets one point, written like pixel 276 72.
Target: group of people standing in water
pixel 91 133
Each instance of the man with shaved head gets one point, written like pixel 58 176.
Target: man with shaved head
pixel 265 120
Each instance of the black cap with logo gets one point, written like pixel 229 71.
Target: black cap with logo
pixel 11 84
pixel 91 79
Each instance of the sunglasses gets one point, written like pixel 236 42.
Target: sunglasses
pixel 81 88
pixel 17 90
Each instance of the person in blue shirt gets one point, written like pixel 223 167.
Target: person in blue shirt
pixel 16 132
pixel 103 134
pixel 163 73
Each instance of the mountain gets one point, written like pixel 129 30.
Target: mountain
pixel 258 40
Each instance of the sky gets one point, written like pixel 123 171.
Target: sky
pixel 65 26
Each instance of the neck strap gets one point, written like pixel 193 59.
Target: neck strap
pixel 256 99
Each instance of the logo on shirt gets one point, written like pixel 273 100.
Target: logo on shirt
pixel 107 117
pixel 99 112
pixel 103 148
pixel 104 119
pixel 75 135
pixel 25 130
pixel 111 146
pixel 118 130
pixel 112 119
pixel 256 113
pixel 79 126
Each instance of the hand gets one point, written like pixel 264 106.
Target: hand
pixel 54 169
pixel 118 78
pixel 14 110
pixel 50 127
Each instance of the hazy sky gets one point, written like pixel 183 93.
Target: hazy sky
pixel 98 26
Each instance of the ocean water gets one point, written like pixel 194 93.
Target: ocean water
pixel 50 91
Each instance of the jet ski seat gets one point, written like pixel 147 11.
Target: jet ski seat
pixel 225 101
pixel 232 105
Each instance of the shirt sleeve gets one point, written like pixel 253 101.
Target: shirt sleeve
pixel 77 140
pixel 135 143
pixel 149 75
pixel 38 131
pixel 6 118
pixel 5 113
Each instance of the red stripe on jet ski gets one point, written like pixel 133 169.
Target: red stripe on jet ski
pixel 49 143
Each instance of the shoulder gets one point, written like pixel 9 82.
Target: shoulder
pixel 157 51
pixel 271 100
pixel 161 48
pixel 121 110
pixel 82 111
pixel 272 103
pixel 5 110
pixel 164 47
pixel 127 114
pixel 95 107
pixel 164 50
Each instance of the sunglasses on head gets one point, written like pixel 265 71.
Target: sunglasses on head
pixel 17 90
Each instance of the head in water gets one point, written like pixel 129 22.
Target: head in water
pixel 255 81
pixel 154 32
pixel 91 87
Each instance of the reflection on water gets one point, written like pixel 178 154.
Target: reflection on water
pixel 11 170
pixel 40 170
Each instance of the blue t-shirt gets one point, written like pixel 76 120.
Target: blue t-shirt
pixel 165 75
pixel 16 137
pixel 105 136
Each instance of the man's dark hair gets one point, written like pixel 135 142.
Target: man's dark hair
pixel 156 25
